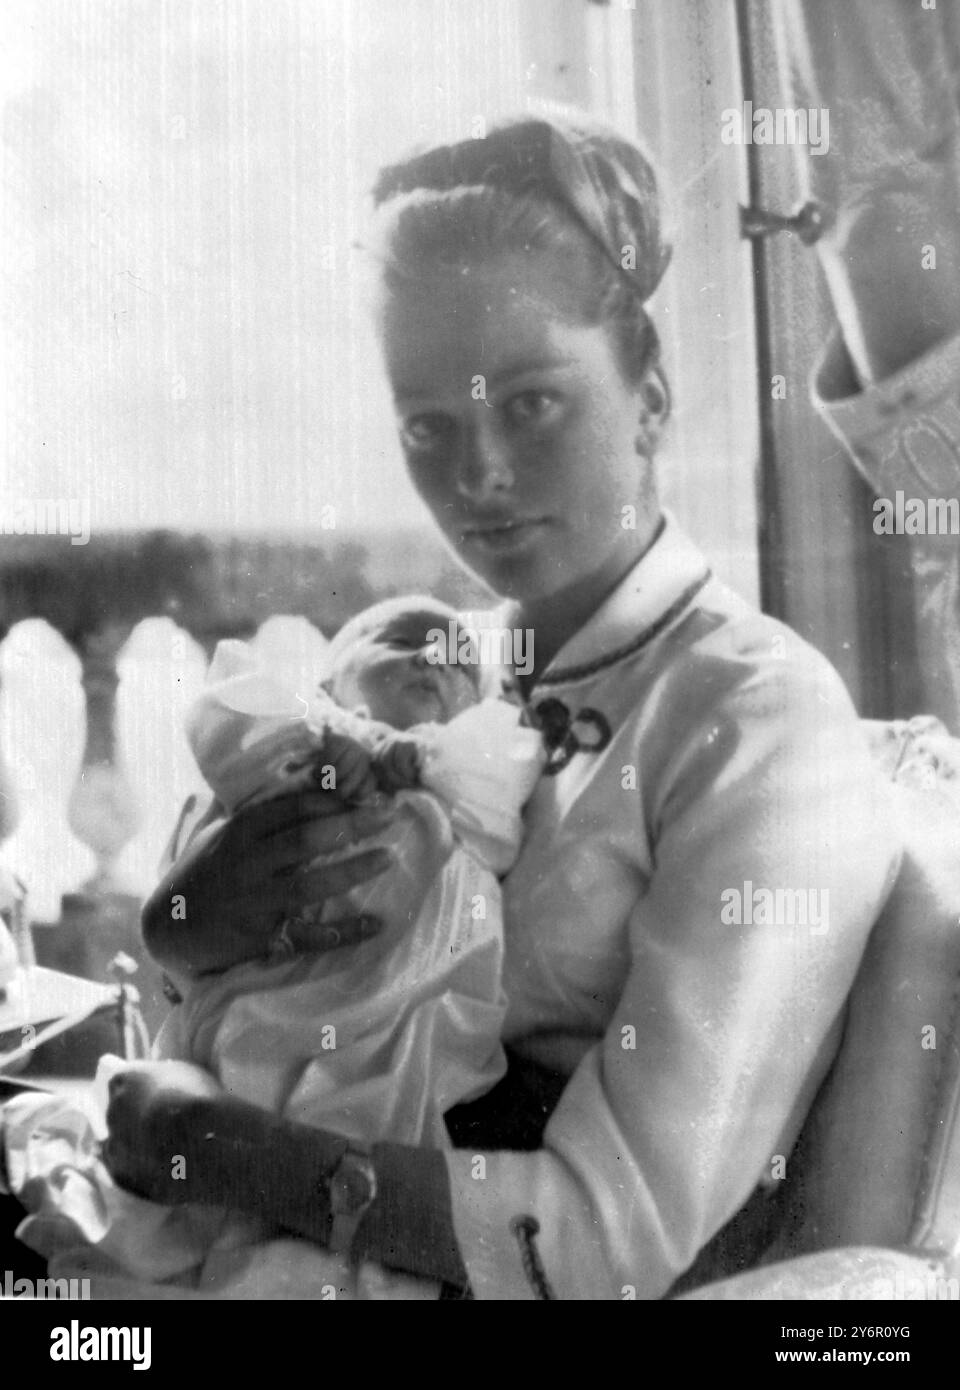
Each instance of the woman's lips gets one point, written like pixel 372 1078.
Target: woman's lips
pixel 503 536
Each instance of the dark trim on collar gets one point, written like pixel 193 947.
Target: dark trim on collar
pixel 590 668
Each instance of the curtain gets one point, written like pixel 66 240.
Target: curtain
pixel 887 74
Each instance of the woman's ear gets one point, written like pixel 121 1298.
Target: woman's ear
pixel 654 396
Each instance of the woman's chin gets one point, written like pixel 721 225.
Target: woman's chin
pixel 514 571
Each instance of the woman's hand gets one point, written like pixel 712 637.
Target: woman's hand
pixel 151 1129
pixel 170 1146
pixel 242 877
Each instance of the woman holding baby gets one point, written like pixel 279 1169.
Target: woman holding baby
pixel 696 747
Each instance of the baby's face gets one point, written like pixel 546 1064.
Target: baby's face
pixel 389 671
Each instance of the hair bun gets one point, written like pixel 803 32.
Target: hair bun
pixel 602 180
pixel 612 185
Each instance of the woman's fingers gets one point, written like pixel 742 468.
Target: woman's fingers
pixel 131 1090
pixel 310 840
pixel 319 881
pixel 146 1123
pixel 323 811
pixel 280 836
pixel 136 1097
pixel 278 886
pixel 327 936
pixel 261 867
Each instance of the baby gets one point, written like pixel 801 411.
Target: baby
pixel 374 1041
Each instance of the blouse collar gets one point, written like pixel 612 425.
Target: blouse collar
pixel 652 595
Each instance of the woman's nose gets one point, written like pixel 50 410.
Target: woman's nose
pixel 486 464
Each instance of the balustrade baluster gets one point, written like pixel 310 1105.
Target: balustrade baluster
pixel 102 810
pixel 9 801
pixel 11 889
pixel 102 917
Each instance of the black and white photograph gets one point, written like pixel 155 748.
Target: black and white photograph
pixel 480 665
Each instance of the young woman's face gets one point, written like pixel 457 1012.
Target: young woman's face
pixel 519 427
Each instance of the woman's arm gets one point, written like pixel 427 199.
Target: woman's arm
pixel 723 1030
pixel 240 877
pixel 291 1176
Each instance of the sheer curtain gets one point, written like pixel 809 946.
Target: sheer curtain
pixel 887 72
pixel 686 74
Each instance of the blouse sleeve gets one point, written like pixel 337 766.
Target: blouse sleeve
pixel 727 1021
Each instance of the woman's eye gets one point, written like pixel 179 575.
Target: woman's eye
pixel 532 408
pixel 425 431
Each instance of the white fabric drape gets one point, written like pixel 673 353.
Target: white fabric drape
pixel 888 73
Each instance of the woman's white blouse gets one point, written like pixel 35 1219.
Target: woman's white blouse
pixel 683 926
